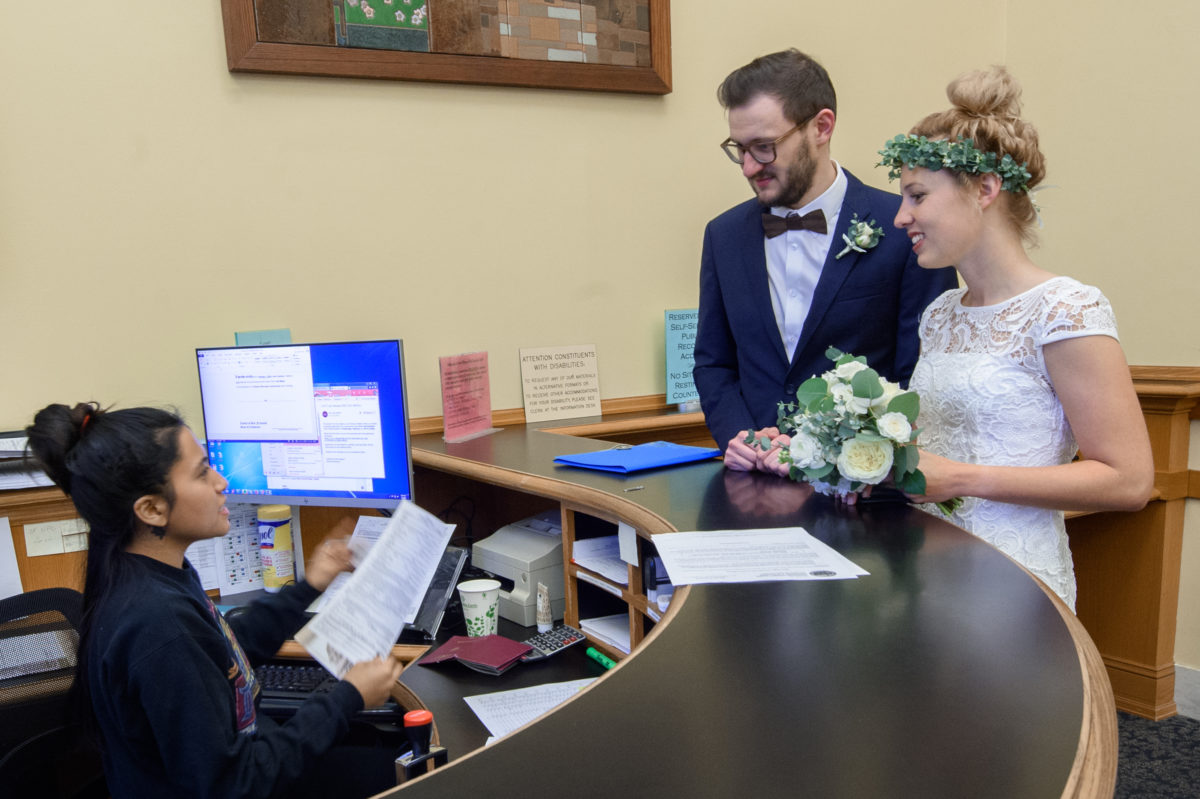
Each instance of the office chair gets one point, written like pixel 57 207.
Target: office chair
pixel 42 751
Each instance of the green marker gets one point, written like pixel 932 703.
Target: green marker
pixel 601 658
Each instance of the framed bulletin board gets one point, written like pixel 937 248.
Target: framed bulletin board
pixel 594 45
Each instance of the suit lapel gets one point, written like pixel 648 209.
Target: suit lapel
pixel 835 270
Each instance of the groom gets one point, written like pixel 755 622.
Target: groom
pixel 779 283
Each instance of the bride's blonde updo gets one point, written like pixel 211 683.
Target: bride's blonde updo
pixel 986 109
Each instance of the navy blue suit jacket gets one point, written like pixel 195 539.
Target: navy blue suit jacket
pixel 865 303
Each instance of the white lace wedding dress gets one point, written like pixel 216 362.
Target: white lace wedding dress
pixel 986 398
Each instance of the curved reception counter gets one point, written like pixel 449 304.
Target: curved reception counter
pixel 947 671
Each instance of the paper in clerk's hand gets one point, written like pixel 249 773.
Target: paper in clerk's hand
pixel 383 593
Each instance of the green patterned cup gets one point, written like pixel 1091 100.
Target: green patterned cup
pixel 481 605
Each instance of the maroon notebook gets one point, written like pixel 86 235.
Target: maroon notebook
pixel 490 654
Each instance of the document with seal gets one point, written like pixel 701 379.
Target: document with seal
pixel 383 593
pixel 747 556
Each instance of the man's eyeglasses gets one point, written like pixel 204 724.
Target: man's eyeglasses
pixel 762 152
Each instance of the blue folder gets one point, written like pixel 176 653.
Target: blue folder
pixel 635 459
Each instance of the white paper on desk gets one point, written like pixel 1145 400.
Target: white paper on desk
pixel 19 478
pixel 10 575
pixel 504 711
pixel 747 556
pixel 14 473
pixel 384 593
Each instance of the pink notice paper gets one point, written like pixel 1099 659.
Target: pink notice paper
pixel 466 396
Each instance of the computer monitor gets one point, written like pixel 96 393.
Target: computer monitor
pixel 309 424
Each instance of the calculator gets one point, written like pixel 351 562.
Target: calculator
pixel 548 643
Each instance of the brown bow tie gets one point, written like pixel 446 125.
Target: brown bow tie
pixel 777 225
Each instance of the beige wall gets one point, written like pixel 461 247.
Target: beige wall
pixel 151 202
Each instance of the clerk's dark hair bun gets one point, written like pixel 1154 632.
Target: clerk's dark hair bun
pixel 55 431
pixel 106 459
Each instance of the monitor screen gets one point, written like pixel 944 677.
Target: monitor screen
pixel 308 424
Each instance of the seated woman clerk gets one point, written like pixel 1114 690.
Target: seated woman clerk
pixel 164 682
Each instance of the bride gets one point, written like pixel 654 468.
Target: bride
pixel 1020 369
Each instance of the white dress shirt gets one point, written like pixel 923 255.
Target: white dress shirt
pixel 795 260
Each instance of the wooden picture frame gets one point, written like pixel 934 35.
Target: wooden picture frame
pixel 246 53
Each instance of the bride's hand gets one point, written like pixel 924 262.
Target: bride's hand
pixel 938 473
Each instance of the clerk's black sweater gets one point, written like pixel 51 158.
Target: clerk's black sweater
pixel 174 698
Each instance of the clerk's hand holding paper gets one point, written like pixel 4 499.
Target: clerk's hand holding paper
pixel 374 679
pixel 331 559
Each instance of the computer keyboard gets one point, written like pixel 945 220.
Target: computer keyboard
pixel 293 680
pixel 285 686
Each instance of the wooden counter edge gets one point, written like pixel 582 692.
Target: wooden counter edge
pixel 405 653
pixel 1094 772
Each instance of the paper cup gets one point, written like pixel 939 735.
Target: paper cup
pixel 481 605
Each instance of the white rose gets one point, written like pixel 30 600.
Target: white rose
pixel 806 452
pixel 890 391
pixel 843 395
pixel 895 426
pixel 864 236
pixel 865 461
pixel 849 369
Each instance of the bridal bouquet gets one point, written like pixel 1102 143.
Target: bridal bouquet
pixel 851 428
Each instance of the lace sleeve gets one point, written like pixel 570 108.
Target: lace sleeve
pixel 1073 309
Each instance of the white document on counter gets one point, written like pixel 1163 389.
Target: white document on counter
pixel 384 592
pixel 504 711
pixel 747 556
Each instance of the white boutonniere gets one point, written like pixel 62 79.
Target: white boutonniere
pixel 861 236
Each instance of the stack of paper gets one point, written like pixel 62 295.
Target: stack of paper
pixel 15 471
pixel 612 630
pixel 603 556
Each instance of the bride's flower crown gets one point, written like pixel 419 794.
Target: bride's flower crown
pixel 959 155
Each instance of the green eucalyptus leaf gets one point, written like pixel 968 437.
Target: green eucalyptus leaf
pixel 912 483
pixel 908 404
pixel 866 384
pixel 818 472
pixel 810 391
pixel 904 461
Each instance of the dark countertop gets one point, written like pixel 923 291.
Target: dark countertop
pixel 947 671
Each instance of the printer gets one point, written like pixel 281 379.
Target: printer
pixel 521 555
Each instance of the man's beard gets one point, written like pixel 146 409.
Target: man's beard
pixel 797 180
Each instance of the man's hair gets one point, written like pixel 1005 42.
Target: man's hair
pixel 800 83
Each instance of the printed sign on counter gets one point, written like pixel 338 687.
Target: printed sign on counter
pixel 560 382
